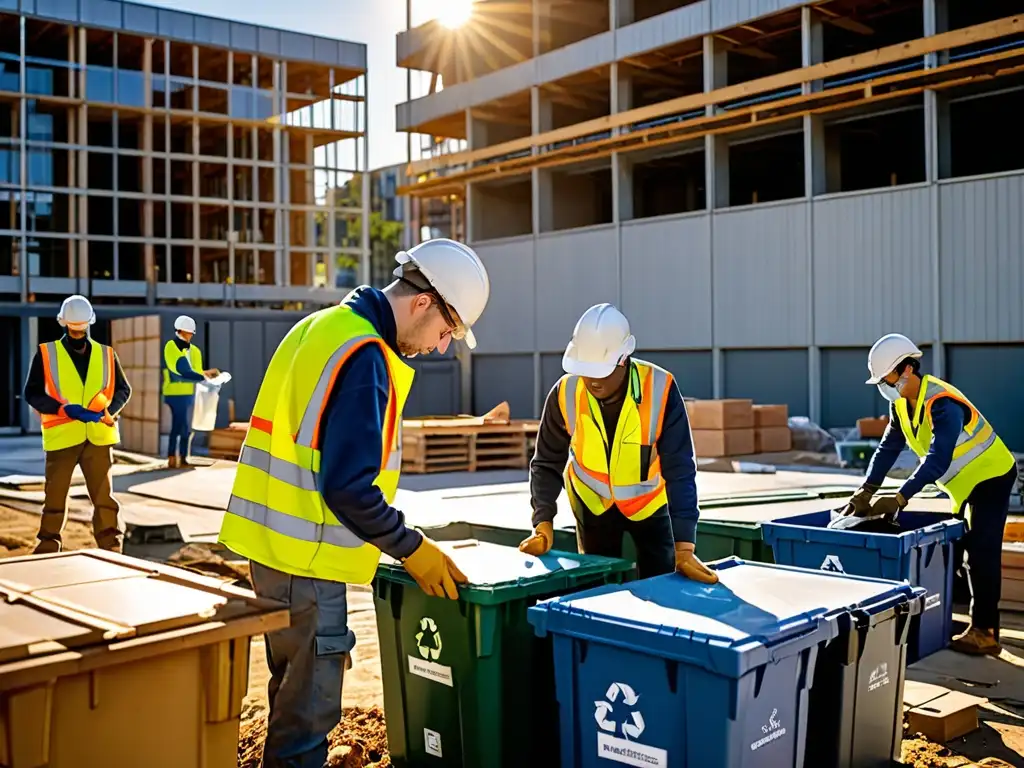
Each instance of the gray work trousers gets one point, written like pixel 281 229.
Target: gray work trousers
pixel 307 665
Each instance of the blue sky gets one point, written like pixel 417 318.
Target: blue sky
pixel 373 22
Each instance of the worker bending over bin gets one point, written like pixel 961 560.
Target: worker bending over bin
pixel 615 431
pixel 183 367
pixel 318 471
pixel 78 388
pixel 961 454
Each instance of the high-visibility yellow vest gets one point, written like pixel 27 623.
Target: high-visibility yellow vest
pixel 276 515
pixel 979 454
pixel 172 354
pixel 633 481
pixel 65 385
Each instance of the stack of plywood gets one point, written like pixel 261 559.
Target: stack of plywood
pixel 721 427
pixel 771 429
pixel 136 340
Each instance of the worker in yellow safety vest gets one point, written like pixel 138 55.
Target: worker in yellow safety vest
pixel 183 367
pixel 78 388
pixel 318 471
pixel 615 433
pixel 961 454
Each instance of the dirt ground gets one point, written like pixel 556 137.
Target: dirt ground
pixel 360 740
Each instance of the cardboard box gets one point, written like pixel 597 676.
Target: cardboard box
pixel 712 443
pixel 720 414
pixel 772 439
pixel 872 427
pixel 771 415
pixel 152 353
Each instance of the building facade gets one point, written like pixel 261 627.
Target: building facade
pixel 160 161
pixel 763 186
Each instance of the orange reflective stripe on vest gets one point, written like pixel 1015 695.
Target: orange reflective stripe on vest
pixel 51 377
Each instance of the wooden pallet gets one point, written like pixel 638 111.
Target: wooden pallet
pixel 464 444
pixel 226 443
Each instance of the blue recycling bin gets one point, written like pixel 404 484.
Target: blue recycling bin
pixel 921 554
pixel 670 673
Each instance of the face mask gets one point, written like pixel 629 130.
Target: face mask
pixel 892 393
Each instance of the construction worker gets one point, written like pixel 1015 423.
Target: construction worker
pixel 961 454
pixel 615 432
pixel 318 471
pixel 78 388
pixel 183 367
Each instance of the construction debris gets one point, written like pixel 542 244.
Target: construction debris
pixel 359 741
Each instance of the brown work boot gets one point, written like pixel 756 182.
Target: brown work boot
pixel 977 642
pixel 173 462
pixel 47 547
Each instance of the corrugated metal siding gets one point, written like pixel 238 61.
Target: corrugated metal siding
pixel 666 281
pixel 575 270
pixel 247 365
pixel 498 378
pixel 769 377
pixel 867 249
pixel 998 397
pixel 585 54
pixel 691 369
pixel 507 325
pixel 664 29
pixel 760 268
pixel 550 372
pixel 844 395
pixel 729 13
pixel 982 259
pixel 435 391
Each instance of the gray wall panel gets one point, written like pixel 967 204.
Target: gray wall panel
pixel 769 377
pixel 435 390
pixel 105 13
pixel 58 9
pixel 213 31
pixel 666 281
pixel 175 24
pixel 664 29
pixel 507 324
pixel 691 369
pixel 760 267
pixel 982 259
pixel 217 354
pixel 273 334
pixel 503 378
pixel 140 18
pixel 867 249
pixel 247 365
pixel 575 270
pixel 728 13
pixel 588 53
pixel 844 395
pixel 550 372
pixel 997 396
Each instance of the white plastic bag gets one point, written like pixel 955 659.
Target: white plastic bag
pixel 204 409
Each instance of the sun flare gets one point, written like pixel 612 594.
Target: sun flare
pixel 454 13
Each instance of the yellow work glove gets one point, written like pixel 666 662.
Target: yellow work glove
pixel 434 571
pixel 541 542
pixel 690 566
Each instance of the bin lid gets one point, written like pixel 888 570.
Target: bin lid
pixel 498 573
pixel 758 612
pixel 76 600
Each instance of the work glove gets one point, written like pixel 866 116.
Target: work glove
pixel 434 571
pixel 541 541
pixel 211 373
pixel 106 418
pixel 79 413
pixel 889 507
pixel 690 566
pixel 859 504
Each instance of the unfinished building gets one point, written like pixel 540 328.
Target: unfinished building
pixel 764 187
pixel 151 158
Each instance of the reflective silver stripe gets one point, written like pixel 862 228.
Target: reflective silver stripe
pixel 293 527
pixel 960 463
pixel 601 489
pixel 394 461
pixel 307 427
pixel 658 387
pixel 625 492
pixel 570 403
pixel 279 469
pixel 51 355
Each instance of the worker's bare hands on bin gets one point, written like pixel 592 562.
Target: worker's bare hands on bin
pixel 541 542
pixel 434 571
pixel 859 504
pixel 690 566
pixel 889 507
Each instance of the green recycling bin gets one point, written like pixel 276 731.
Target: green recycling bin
pixel 717 539
pixel 467 684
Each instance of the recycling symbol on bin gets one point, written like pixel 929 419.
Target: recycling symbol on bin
pixel 633 727
pixel 428 639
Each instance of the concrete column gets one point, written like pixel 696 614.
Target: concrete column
pixel 812 40
pixel 541 24
pixel 472 208
pixel 716 147
pixel 622 166
pixel 621 13
pixel 149 250
pixel 29 344
pixel 542 180
pixel 83 271
pixel 815 183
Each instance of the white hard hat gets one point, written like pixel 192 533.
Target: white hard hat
pixel 600 341
pixel 456 273
pixel 185 323
pixel 887 353
pixel 76 310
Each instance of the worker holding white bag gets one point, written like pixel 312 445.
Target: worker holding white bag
pixel 183 369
